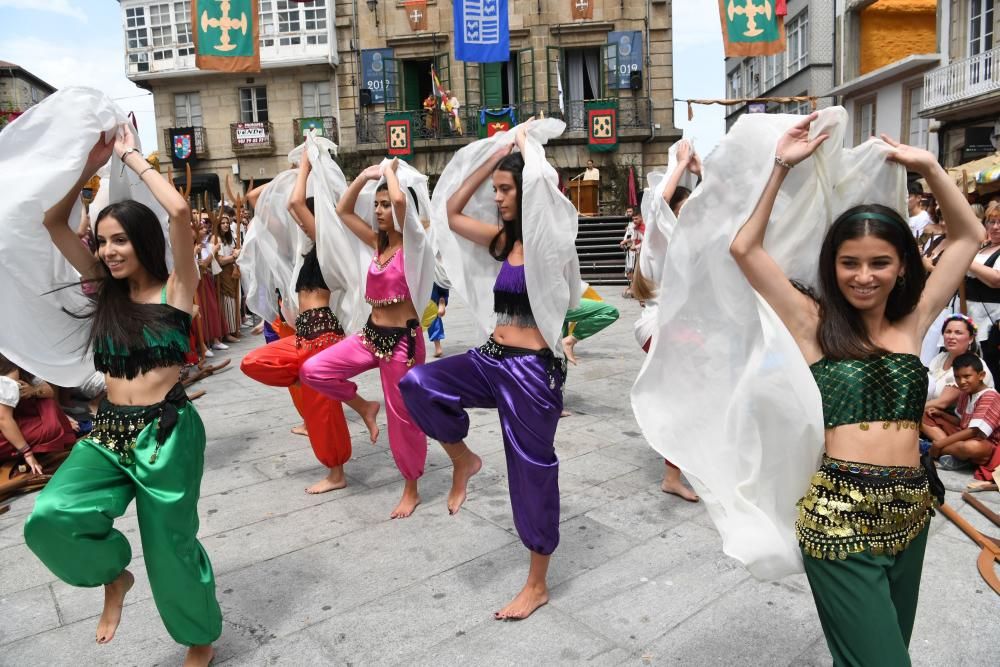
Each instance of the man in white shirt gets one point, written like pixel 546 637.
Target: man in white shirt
pixel 592 173
pixel 919 218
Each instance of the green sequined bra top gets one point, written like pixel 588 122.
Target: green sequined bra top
pixel 888 388
pixel 164 345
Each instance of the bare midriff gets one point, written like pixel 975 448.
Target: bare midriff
pixel 313 298
pixel 394 315
pixel 146 389
pixel 527 337
pixel 878 445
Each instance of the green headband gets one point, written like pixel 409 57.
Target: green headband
pixel 870 215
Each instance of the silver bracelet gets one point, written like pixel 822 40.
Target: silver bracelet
pixel 781 163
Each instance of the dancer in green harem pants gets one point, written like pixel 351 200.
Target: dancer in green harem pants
pixel 71 527
pixel 591 316
pixel 885 587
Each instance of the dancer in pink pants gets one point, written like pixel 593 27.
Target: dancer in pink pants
pixel 391 340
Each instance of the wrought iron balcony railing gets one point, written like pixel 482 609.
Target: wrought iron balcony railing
pixel 962 80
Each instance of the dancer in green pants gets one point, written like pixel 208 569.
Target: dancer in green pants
pixel 591 316
pixel 148 442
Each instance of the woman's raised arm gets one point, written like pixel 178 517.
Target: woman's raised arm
pixel 345 208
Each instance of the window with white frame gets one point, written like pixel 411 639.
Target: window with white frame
pixel 316 99
pixel 917 127
pixel 139 62
pixel 980 26
pixel 774 70
pixel 752 67
pixel 797 35
pixel 253 104
pixel 864 120
pixel 736 84
pixel 136 36
pixel 187 110
pixel 182 26
pixel 161 31
pixel 314 19
pixel 287 23
pixel 268 22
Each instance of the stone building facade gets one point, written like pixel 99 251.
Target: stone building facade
pixel 349 62
pixel 20 89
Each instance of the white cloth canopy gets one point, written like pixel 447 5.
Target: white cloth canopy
pixel 724 392
pixel 42 154
pixel 548 227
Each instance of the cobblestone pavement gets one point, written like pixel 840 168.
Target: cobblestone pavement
pixel 639 577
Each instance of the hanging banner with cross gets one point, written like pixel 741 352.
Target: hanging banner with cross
pixel 399 134
pixel 582 9
pixel 226 35
pixel 416 14
pixel 482 31
pixel 602 125
pixel 752 27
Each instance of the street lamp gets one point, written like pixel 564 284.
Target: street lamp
pixel 372 6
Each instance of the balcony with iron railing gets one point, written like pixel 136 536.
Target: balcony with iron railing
pixel 962 83
pixel 634 120
pixel 200 142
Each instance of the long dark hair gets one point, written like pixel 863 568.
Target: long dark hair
pixel 842 333
pixel 115 315
pixel 680 196
pixel 226 237
pixel 383 237
pixel 510 233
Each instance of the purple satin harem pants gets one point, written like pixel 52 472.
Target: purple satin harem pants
pixel 521 388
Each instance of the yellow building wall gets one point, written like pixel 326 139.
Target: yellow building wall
pixel 894 29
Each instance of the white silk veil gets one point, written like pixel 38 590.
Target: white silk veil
pixel 724 392
pixel 42 154
pixel 548 226
pixel 343 257
pixel 272 252
pixel 418 248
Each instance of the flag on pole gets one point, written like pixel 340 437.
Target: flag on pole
pixel 226 35
pixel 559 87
pixel 752 27
pixel 482 31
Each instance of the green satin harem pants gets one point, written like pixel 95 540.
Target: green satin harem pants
pixel 71 528
pixel 867 604
pixel 589 317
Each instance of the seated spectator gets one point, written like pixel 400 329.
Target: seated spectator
pixel 972 436
pixel 959 336
pixel 31 421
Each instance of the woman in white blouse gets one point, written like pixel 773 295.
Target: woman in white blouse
pixel 959 335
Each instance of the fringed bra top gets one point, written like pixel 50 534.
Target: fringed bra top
pixel 161 346
pixel 310 275
pixel 386 282
pixel 510 297
pixel 888 388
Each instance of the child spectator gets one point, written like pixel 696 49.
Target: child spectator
pixel 973 434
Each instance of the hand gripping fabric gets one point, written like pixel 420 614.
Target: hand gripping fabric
pixel 746 424
pixel 42 154
pixel 549 228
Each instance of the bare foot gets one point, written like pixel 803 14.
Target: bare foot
pixel 568 343
pixel 565 413
pixel 678 488
pixel 300 430
pixel 467 465
pixel 438 351
pixel 335 480
pixel 114 600
pixel 199 656
pixel 408 502
pixel 368 414
pixel 527 601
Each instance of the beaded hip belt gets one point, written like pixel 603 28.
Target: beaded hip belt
pixel 851 507
pixel 317 328
pixel 383 340
pixel 555 367
pixel 117 427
